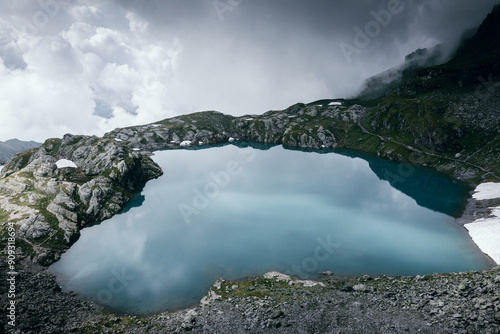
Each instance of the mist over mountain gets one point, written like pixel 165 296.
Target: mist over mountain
pixel 485 40
pixel 379 84
pixel 91 66
pixel 476 57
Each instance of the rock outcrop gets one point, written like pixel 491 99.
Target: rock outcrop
pixel 50 205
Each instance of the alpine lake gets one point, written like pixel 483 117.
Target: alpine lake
pixel 237 211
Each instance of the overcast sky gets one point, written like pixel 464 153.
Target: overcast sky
pixel 89 66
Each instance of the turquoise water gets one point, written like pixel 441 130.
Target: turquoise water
pixel 236 212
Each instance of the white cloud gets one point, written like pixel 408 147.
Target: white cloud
pixel 10 53
pixel 94 65
pixel 84 13
pixel 69 76
pixel 136 24
pixel 38 106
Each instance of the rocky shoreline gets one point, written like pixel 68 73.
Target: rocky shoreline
pixel 466 302
pixel 48 206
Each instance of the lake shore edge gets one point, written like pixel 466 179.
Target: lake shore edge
pixel 452 300
pixel 433 303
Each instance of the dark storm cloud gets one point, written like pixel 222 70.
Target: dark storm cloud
pixel 173 14
pixel 315 36
pixel 130 62
pixel 330 19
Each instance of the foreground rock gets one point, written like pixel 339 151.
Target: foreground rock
pixel 439 303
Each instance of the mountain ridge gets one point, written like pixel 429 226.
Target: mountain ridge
pixel 11 147
pixel 379 84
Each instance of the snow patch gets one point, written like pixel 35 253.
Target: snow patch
pixel 118 139
pixel 335 103
pixel 64 163
pixel 231 139
pixel 487 190
pixel 1 167
pixel 186 143
pixel 136 149
pixel 496 211
pixel 485 232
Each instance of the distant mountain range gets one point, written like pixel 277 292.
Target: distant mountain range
pixel 12 146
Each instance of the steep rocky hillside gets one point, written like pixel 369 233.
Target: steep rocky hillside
pixel 49 203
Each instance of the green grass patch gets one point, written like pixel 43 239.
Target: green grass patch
pixel 75 175
pixel 27 175
pixel 52 146
pixel 4 216
pixel 23 159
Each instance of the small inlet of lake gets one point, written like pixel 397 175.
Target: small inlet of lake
pixel 236 211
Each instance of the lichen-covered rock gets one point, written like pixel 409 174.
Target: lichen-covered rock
pixel 13 185
pixel 60 201
pixel 34 227
pixel 45 169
